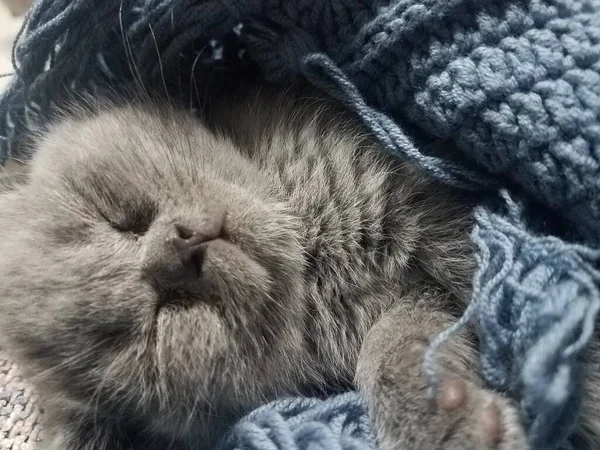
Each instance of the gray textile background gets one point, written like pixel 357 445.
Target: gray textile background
pixel 20 427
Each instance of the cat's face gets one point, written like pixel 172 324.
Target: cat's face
pixel 148 266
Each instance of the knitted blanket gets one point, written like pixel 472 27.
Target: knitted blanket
pixel 513 84
pixel 19 412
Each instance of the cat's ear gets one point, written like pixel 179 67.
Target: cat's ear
pixel 12 175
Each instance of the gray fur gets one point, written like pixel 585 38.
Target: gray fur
pixel 339 264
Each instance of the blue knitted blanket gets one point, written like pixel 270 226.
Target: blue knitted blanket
pixel 513 84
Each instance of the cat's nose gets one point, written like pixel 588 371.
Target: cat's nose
pixel 191 243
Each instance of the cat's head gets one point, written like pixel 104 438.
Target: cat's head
pixel 148 266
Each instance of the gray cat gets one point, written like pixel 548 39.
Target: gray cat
pixel 159 277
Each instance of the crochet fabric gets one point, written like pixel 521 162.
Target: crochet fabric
pixel 513 84
pixel 19 412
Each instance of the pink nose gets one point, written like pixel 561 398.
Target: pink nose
pixel 191 244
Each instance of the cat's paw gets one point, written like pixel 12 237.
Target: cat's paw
pixel 463 416
pixel 477 419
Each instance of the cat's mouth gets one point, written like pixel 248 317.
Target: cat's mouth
pixel 177 298
pixel 228 276
pixel 193 273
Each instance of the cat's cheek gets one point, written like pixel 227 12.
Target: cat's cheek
pixel 232 277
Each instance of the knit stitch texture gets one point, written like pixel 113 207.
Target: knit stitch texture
pixel 20 426
pixel 514 84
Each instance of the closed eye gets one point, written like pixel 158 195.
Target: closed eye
pixel 136 221
pixel 136 227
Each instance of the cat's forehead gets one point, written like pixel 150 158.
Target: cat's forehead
pixel 121 143
pixel 133 133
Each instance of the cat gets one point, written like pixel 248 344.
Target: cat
pixel 163 274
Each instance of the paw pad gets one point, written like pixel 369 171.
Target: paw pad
pixel 452 395
pixel 491 424
pixel 481 407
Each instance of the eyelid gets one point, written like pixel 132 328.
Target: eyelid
pixel 106 219
pixel 138 225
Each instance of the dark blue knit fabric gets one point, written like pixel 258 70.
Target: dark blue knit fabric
pixel 514 84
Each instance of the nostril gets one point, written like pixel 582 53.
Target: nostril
pixel 191 244
pixel 183 232
pixel 191 251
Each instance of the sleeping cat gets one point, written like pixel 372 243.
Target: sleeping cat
pixel 161 276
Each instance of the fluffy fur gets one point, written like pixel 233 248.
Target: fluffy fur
pixel 335 265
